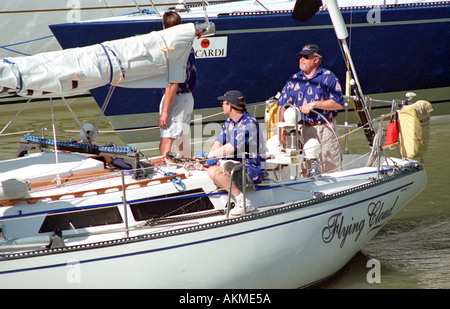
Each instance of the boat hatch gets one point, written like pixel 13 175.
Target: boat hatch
pixel 171 204
pixel 81 219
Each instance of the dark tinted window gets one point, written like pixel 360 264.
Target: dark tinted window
pixel 172 204
pixel 81 219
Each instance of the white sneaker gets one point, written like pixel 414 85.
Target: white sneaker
pixel 239 207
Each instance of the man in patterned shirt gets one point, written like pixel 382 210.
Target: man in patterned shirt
pixel 315 88
pixel 177 104
pixel 240 136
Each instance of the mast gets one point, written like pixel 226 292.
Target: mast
pixel 342 34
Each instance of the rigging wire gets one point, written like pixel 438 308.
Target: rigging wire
pixel 15 116
pixel 58 177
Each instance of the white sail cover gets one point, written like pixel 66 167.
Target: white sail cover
pixel 146 61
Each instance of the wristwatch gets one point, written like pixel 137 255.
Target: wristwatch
pixel 313 104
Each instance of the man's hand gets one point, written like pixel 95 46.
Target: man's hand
pixel 211 162
pixel 162 120
pixel 306 108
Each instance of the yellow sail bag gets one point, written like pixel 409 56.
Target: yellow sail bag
pixel 414 129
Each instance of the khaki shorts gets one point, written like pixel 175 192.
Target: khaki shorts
pixel 238 180
pixel 329 157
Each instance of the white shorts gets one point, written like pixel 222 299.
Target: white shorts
pixel 179 120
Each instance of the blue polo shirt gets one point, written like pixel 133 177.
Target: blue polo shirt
pixel 245 136
pixel 300 90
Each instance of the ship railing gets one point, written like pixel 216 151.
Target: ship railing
pixel 244 185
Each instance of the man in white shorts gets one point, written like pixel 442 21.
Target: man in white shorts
pixel 177 104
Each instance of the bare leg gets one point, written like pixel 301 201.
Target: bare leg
pixel 183 146
pixel 222 179
pixel 165 145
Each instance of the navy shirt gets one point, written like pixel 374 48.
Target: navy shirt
pixel 190 83
pixel 246 137
pixel 322 86
pixel 191 75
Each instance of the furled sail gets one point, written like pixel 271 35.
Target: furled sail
pixel 151 60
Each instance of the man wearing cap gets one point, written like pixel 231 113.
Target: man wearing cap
pixel 240 136
pixel 315 88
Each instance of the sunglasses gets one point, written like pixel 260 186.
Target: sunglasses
pixel 305 56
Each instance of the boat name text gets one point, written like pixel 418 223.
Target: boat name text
pixel 377 214
pixel 335 227
pixel 338 228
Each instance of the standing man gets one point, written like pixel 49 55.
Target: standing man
pixel 240 136
pixel 315 88
pixel 177 104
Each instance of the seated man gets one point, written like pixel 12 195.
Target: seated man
pixel 240 135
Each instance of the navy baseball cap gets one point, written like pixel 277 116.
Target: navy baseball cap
pixel 309 49
pixel 234 97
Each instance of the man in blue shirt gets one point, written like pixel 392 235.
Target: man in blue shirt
pixel 315 88
pixel 177 103
pixel 240 136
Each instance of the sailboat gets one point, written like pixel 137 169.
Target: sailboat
pixel 87 216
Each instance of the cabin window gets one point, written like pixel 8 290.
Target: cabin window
pixel 172 204
pixel 81 219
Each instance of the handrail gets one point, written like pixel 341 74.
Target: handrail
pixel 296 121
pixel 244 184
pixel 380 139
pixel 125 203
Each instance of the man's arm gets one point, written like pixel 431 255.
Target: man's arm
pixel 220 151
pixel 281 130
pixel 326 105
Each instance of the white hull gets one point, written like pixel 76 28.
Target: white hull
pixel 282 246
